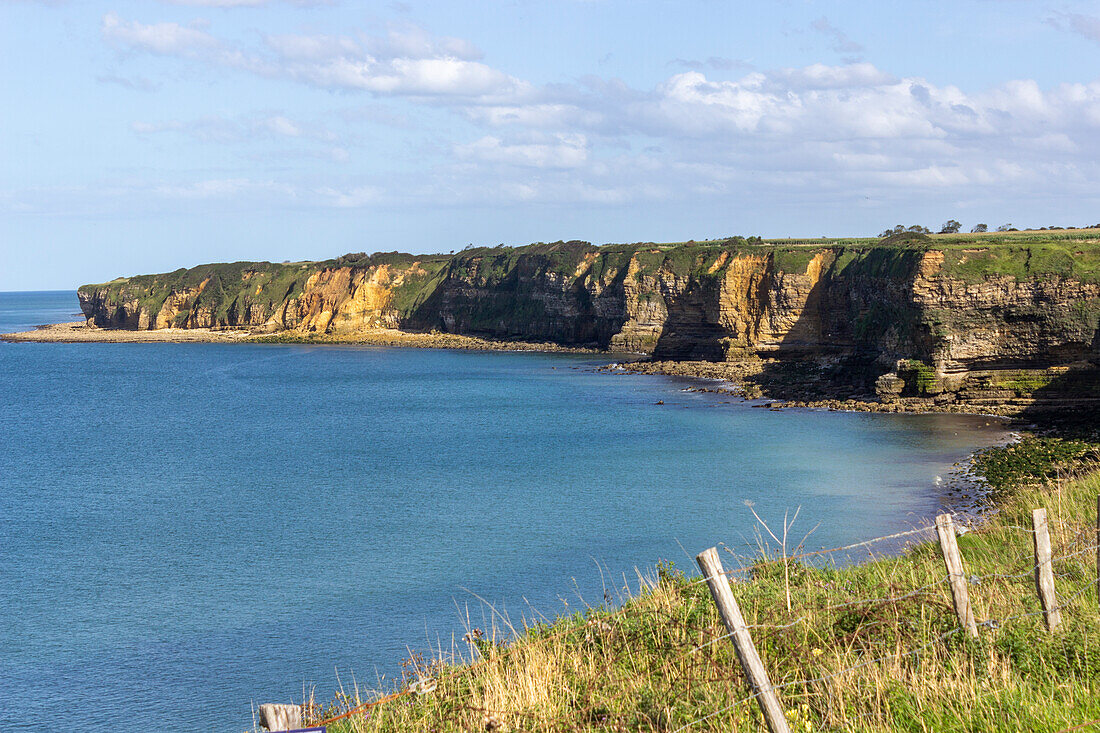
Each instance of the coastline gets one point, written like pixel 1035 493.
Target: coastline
pixel 746 379
pixel 80 332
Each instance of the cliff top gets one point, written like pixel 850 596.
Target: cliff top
pixel 1071 253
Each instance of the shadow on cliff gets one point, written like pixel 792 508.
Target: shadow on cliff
pixel 1070 402
pixel 523 303
pixel 692 330
pixel 856 317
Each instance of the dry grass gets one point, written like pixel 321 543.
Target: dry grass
pixel 870 647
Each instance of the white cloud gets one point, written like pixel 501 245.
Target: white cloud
pixel 404 63
pixel 312 48
pixel 170 39
pixel 562 151
pixel 823 76
pixel 407 77
pixel 412 42
pixel 812 131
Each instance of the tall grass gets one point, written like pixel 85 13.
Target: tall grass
pixel 868 647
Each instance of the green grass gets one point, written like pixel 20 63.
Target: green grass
pixel 867 647
pixel 977 261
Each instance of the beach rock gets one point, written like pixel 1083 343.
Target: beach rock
pixel 889 386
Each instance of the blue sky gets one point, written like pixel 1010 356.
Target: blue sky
pixel 146 136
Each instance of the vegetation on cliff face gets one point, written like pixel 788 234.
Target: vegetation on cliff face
pixel 868 647
pixel 975 261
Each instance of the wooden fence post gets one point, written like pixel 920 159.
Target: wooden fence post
pixel 1044 573
pixel 730 612
pixel 960 594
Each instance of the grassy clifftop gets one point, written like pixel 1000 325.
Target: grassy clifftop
pixel 1072 254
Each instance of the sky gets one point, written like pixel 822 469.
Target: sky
pixel 146 136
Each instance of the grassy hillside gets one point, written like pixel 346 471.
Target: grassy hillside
pixel 869 647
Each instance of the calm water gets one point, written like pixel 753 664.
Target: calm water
pixel 185 528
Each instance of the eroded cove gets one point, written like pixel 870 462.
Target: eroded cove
pixel 190 527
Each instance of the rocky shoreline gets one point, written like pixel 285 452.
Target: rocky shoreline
pixel 754 379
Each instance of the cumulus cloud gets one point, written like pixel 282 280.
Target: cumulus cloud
pixel 847 127
pixel 808 130
pixel 405 62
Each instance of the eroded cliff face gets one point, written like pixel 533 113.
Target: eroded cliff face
pixel 922 320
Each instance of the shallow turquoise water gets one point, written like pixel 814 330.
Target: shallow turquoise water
pixel 186 528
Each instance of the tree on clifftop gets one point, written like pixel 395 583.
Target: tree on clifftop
pixel 950 227
pixel 900 229
pixel 978 228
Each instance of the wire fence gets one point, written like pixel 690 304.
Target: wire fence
pixel 695 665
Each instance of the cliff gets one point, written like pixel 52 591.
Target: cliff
pixel 945 318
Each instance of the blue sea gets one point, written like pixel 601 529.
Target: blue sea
pixel 187 529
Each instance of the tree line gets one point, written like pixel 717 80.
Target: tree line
pixel 951 226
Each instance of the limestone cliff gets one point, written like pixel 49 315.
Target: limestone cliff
pixel 944 318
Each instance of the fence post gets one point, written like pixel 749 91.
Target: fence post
pixel 960 594
pixel 1044 573
pixel 730 612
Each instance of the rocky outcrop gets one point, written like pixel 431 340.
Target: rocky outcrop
pixel 957 321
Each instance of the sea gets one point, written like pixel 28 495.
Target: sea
pixel 189 530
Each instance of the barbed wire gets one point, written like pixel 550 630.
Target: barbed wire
pixel 889 599
pixel 612 624
pixel 992 623
pixel 829 551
